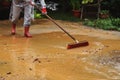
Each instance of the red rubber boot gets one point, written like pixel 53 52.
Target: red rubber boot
pixel 26 32
pixel 13 31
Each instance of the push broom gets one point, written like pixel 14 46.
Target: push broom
pixel 71 45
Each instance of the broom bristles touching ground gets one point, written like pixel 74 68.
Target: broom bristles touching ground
pixel 76 45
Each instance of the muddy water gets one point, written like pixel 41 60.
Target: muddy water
pixel 45 57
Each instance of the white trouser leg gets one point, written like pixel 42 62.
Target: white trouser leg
pixel 28 15
pixel 15 13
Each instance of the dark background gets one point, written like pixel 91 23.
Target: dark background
pixel 64 6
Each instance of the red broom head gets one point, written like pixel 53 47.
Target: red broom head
pixel 76 45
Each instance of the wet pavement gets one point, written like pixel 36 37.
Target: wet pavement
pixel 45 57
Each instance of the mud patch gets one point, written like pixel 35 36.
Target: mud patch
pixel 107 64
pixel 111 58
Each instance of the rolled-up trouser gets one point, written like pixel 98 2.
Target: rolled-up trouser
pixel 28 14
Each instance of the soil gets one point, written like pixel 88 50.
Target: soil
pixel 45 57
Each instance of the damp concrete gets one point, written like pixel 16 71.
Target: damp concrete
pixel 45 57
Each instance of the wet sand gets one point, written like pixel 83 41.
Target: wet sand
pixel 45 57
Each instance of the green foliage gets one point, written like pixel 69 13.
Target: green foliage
pixel 37 14
pixel 104 12
pixel 107 24
pixel 76 4
pixel 89 23
pixel 116 22
pixel 87 1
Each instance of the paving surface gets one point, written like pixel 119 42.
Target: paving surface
pixel 45 57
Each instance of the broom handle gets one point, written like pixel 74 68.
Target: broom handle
pixel 58 25
pixel 61 28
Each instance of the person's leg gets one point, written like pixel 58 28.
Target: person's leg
pixel 27 20
pixel 15 13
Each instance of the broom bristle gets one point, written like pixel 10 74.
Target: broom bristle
pixel 76 45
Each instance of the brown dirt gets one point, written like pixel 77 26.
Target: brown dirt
pixel 45 57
